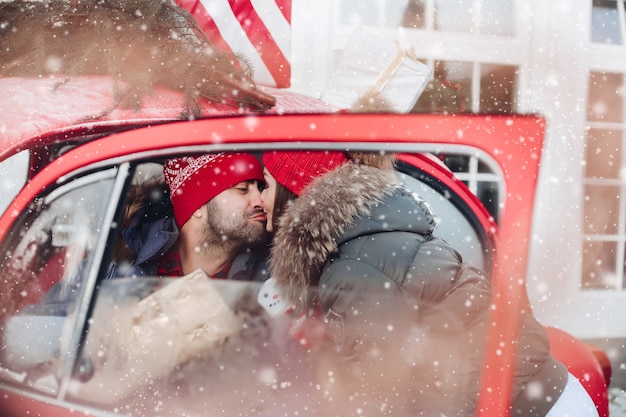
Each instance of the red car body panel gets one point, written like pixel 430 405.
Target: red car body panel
pixel 581 362
pixel 15 405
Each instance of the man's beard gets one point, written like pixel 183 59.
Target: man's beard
pixel 235 231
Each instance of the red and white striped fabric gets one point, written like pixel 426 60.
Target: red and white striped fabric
pixel 260 30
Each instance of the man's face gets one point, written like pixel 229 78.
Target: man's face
pixel 236 215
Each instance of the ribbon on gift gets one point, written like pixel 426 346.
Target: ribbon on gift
pixel 385 75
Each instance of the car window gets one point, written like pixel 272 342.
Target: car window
pixel 146 203
pixel 193 345
pixel 43 278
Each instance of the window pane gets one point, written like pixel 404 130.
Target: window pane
pixel 483 167
pixel 487 193
pixel 487 189
pixel 43 280
pixel 377 13
pixel 601 210
pixel 495 17
pixel 599 266
pixel 605 97
pixel 497 89
pixel 450 91
pixel 456 163
pixel 414 14
pixel 603 154
pixel 454 16
pixel 605 22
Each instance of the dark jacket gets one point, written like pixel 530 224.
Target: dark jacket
pixel 368 245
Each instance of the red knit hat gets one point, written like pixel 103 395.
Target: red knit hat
pixel 294 170
pixel 193 181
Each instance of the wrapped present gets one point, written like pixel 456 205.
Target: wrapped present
pixel 375 67
pixel 133 343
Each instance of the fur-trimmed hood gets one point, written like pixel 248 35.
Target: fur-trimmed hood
pixel 348 202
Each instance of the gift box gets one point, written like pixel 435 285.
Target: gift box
pixel 375 67
pixel 133 344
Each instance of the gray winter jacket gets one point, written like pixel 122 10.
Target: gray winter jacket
pixel 400 302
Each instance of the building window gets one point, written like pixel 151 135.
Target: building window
pixel 478 177
pixel 470 87
pixel 487 17
pixel 608 22
pixel 604 205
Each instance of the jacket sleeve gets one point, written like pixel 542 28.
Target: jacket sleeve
pixel 424 329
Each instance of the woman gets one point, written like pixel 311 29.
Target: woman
pixel 400 303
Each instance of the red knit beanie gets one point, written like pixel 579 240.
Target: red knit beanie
pixel 294 170
pixel 193 181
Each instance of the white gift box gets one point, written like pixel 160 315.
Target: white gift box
pixel 373 66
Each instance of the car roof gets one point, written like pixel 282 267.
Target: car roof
pixel 40 111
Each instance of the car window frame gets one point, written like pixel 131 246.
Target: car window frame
pixel 121 174
pixel 118 175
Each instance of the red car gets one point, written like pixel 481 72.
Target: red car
pixel 61 226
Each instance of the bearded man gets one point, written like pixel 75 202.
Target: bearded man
pixel 215 221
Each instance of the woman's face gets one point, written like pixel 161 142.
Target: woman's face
pixel 268 196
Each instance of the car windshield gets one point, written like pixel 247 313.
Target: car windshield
pixel 196 346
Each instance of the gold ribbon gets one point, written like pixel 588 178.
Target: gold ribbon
pixel 390 69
